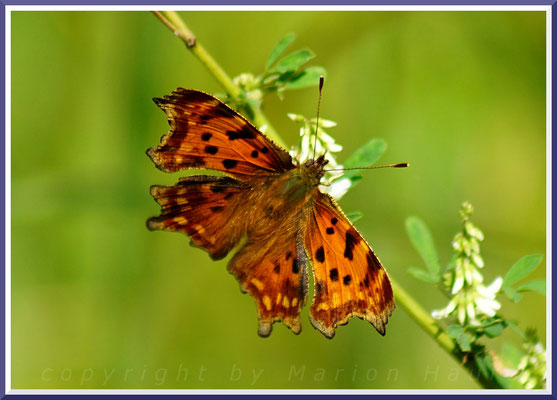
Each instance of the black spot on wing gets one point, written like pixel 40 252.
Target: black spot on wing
pixel 295 266
pixel 206 136
pixel 254 154
pixel 346 280
pixel 276 270
pixel 211 150
pixel 265 150
pixel 228 164
pixel 217 188
pixel 351 241
pixel 217 209
pixel 330 230
pixel 288 255
pixel 245 133
pixel 333 274
pixel 334 221
pixel 366 281
pixel 320 254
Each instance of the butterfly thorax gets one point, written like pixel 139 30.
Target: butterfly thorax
pixel 284 196
pixel 299 185
pixel 312 171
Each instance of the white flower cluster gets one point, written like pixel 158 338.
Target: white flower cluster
pixel 470 298
pixel 312 147
pixel 533 367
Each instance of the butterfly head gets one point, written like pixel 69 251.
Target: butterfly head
pixel 314 169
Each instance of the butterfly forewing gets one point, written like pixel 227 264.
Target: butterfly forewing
pixel 349 280
pixel 205 133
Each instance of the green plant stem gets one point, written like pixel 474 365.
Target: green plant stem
pixel 437 333
pixel 422 318
pixel 173 21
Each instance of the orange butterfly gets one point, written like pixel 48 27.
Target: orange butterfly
pixel 277 206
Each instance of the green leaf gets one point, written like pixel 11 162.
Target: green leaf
pixel 522 268
pixel 512 294
pixel 365 156
pixel 422 241
pixel 535 286
pixel 464 342
pixel 307 78
pixel 454 331
pixel 279 49
pixel 354 216
pixel 294 61
pixel 495 329
pixel 419 273
pixel 461 337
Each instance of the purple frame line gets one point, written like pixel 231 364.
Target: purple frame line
pixel 286 2
pixel 244 2
pixel 3 202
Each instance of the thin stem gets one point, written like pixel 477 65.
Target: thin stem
pixel 174 22
pixel 422 318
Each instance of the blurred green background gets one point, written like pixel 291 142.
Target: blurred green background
pixel 98 301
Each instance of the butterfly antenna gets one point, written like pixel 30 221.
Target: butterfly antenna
pixel 399 165
pixel 321 82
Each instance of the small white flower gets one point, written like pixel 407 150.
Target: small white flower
pixel 444 312
pixel 477 276
pixel 338 188
pixel 495 286
pixel 487 306
pixel 478 260
pixel 469 273
pixel 459 280
pixel 461 314
pixel 470 311
pixel 471 297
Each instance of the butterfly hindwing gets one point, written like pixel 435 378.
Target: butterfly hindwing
pixel 205 133
pixel 205 208
pixel 275 274
pixel 349 280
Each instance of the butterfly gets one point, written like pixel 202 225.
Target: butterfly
pixel 270 206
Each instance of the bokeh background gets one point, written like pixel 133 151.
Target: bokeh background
pixel 98 301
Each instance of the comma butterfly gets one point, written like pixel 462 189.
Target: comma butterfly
pixel 275 203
